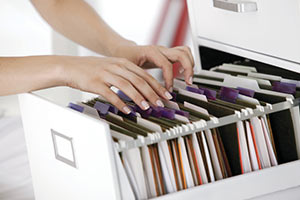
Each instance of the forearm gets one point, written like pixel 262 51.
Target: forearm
pixel 79 22
pixel 25 74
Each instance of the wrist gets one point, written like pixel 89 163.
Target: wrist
pixel 60 70
pixel 117 50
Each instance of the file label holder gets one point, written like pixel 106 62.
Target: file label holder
pixel 288 104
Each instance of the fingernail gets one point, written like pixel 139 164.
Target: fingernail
pixel 181 70
pixel 190 80
pixel 171 89
pixel 145 104
pixel 168 95
pixel 160 103
pixel 126 110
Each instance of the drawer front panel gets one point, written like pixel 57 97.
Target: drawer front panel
pixel 273 29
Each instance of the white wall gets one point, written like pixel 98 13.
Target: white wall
pixel 22 31
pixel 133 19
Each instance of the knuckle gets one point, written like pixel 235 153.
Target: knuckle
pixel 157 85
pixel 189 68
pixel 187 54
pixel 118 102
pixel 151 94
pixel 186 48
pixel 113 59
pixel 169 65
pixel 105 93
pixel 122 61
pixel 136 96
pixel 114 66
pixel 167 69
pixel 161 88
pixel 115 101
pixel 181 55
pixel 104 73
pixel 123 83
pixel 154 49
pixel 139 82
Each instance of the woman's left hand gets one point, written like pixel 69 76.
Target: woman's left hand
pixel 161 57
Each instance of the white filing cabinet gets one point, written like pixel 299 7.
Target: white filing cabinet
pixel 267 31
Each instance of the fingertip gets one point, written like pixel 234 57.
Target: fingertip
pixel 168 82
pixel 193 62
pixel 189 80
pixel 188 76
pixel 169 87
pixel 126 110
pixel 181 70
pixel 168 95
pixel 159 103
pixel 145 105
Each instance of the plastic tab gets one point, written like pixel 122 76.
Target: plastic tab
pixel 76 107
pixel 246 92
pixel 288 88
pixel 102 108
pixel 229 94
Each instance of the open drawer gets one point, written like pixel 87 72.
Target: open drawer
pixel 91 170
pixel 272 29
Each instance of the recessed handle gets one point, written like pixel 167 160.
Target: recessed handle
pixel 64 148
pixel 236 6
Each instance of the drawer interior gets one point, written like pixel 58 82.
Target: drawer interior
pixel 211 58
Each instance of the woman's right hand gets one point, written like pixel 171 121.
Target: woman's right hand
pixel 98 74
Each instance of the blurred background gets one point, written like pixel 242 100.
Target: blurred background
pixel 23 33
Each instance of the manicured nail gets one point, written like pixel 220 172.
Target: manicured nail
pixel 181 70
pixel 190 80
pixel 168 95
pixel 145 104
pixel 126 110
pixel 160 103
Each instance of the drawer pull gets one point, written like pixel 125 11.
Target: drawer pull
pixel 63 148
pixel 236 6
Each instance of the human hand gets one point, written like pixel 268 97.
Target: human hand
pixel 161 57
pixel 97 75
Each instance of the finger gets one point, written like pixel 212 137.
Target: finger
pixel 140 84
pixel 126 87
pixel 182 57
pixel 156 57
pixel 176 55
pixel 110 96
pixel 188 51
pixel 150 80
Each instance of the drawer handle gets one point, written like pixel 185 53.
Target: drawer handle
pixel 236 6
pixel 63 144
